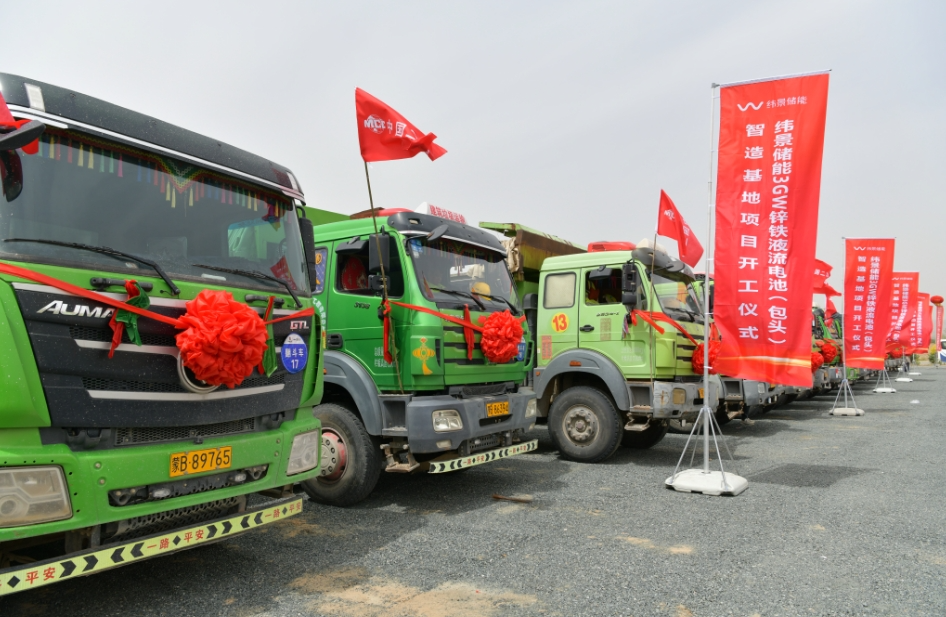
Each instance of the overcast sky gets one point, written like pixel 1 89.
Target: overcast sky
pixel 567 117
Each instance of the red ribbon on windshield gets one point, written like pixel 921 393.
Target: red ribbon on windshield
pixel 39 277
pixel 652 318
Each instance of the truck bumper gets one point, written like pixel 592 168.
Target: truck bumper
pixel 682 400
pixel 97 478
pixel 754 392
pixel 423 439
pixel 110 556
pixel 835 375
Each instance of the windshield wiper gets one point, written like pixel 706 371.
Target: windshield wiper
pixel 512 307
pixel 256 275
pixel 460 293
pixel 108 251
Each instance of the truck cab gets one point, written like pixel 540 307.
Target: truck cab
pixel 407 387
pixel 111 449
pixel 616 333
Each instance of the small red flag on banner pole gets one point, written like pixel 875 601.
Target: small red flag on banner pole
pixel 670 224
pixel 386 135
pixel 771 140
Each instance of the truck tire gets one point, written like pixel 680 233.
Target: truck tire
pixel 647 438
pixel 584 425
pixel 355 465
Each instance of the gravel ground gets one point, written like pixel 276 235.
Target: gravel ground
pixel 843 516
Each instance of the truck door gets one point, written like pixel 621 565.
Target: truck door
pixel 354 326
pixel 558 314
pixel 601 320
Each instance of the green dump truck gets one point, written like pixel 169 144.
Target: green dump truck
pixel 105 461
pixel 407 387
pixel 604 374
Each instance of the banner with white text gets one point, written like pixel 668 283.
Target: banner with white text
pixel 768 184
pixel 868 268
pixel 906 285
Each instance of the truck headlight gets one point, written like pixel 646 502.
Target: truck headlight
pixel 304 454
pixel 447 420
pixel 530 408
pixel 30 495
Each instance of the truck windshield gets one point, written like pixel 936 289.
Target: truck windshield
pixel 86 190
pixel 676 296
pixel 450 272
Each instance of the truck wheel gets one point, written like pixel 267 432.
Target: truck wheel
pixel 647 438
pixel 584 426
pixel 351 462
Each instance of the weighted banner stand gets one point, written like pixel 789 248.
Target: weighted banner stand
pixel 883 385
pixel 847 410
pixel 703 480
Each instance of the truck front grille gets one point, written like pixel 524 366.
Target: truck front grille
pixel 140 526
pixel 134 436
pixel 127 385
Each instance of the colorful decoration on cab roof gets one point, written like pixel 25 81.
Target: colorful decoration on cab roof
pixel 168 176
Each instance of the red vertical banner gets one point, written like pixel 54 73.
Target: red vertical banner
pixel 939 326
pixel 902 307
pixel 922 325
pixel 868 272
pixel 771 139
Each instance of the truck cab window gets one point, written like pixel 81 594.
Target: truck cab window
pixel 603 291
pixel 559 291
pixel 352 274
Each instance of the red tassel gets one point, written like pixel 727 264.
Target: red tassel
pixel 387 332
pixel 468 332
pixel 118 327
pixel 269 310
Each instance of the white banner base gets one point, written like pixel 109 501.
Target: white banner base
pixel 914 373
pixel 903 379
pixel 707 482
pixel 847 411
pixel 885 391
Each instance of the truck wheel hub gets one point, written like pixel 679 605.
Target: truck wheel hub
pixel 581 425
pixel 334 456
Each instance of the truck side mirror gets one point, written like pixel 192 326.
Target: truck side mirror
pixel 629 280
pixel 379 252
pixel 308 246
pixel 22 136
pixel 11 174
pixel 712 297
pixel 376 282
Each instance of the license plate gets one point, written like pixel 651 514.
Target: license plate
pixel 701 392
pixel 497 409
pixel 199 461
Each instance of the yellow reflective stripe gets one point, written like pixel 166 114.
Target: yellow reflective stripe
pixel 482 457
pixel 82 564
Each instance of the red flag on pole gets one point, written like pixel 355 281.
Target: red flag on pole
pixel 671 225
pixel 822 274
pixel 938 301
pixel 386 135
pixel 771 139
pixel 868 268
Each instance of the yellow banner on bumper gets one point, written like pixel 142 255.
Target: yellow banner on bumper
pixel 23 578
pixel 482 457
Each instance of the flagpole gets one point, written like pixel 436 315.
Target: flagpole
pixel 703 480
pixel 384 278
pixel 847 410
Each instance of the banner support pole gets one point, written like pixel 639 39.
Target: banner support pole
pixel 703 480
pixel 845 384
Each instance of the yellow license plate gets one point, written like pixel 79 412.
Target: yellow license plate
pixel 199 461
pixel 701 392
pixel 497 409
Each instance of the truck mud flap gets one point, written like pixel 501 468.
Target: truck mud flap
pixel 93 561
pixel 482 457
